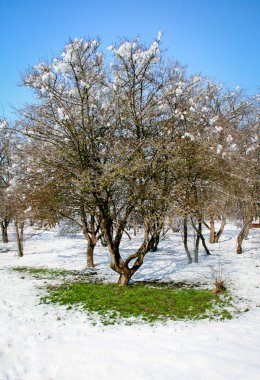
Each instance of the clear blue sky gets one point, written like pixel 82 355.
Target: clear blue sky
pixel 218 38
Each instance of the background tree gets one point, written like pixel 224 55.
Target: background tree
pixel 70 120
pixel 5 153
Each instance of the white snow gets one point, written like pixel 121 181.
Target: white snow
pixel 188 136
pixel 3 124
pixel 250 149
pixel 196 79
pixel 213 120
pixel 44 342
pixel 233 148
pixel 178 91
pixel 60 113
pixel 160 34
pixel 219 148
pixel 229 139
pixel 218 129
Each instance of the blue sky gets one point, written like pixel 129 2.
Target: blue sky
pixel 218 38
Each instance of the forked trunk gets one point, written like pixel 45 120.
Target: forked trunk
pixel 113 239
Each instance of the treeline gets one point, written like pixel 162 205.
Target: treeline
pixel 137 141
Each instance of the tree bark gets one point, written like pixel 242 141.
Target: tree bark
pixel 185 240
pixel 4 228
pixel 90 255
pixel 19 229
pixel 117 263
pixel 221 229
pixel 199 232
pixel 197 242
pixel 212 230
pixel 90 233
pixel 204 244
pixel 153 243
pixel 155 238
pixel 242 235
pixel 124 279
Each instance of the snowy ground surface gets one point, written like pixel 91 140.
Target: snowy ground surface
pixel 48 342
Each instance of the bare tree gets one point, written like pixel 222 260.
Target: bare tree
pixel 5 154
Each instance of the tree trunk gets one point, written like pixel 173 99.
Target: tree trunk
pixel 90 255
pixel 204 244
pixel 4 228
pixel 90 234
pixel 117 263
pixel 153 243
pixel 124 279
pixel 197 243
pixel 19 229
pixel 185 240
pixel 212 230
pixel 221 229
pixel 155 238
pixel 242 235
pixel 199 233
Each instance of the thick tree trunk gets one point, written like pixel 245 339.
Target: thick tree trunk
pixel 185 240
pixel 242 235
pixel 4 228
pixel 90 255
pixel 117 263
pixel 124 279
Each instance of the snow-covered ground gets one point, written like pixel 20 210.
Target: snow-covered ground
pixel 48 342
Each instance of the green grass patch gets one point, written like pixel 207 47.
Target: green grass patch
pixel 112 303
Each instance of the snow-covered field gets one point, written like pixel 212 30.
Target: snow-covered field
pixel 48 342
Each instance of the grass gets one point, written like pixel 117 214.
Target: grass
pixel 150 301
pixel 113 303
